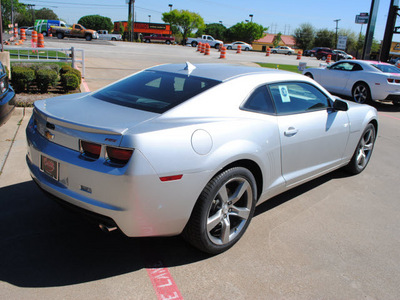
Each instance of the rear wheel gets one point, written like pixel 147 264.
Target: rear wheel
pixel 323 57
pixel 44 33
pixel 147 41
pixel 194 44
pixel 168 42
pixel 60 35
pixel 274 51
pixel 229 48
pixel 308 74
pixel 88 37
pixel 363 151
pixel 361 93
pixel 223 211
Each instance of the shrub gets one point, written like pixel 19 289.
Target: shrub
pixel 69 81
pixel 77 73
pixel 65 68
pixel 22 78
pixel 44 78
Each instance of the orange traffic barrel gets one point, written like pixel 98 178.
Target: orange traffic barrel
pixel 328 59
pixel 34 36
pixel 203 48
pixel 208 49
pixel 299 55
pixel 239 49
pixel 223 52
pixel 40 42
pixel 219 47
pixel 199 46
pixel 23 35
pixel 15 32
pixel 268 52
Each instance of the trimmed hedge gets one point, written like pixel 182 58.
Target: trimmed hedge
pixel 45 78
pixel 22 78
pixel 24 75
pixel 69 81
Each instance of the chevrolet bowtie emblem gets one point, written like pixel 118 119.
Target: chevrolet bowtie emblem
pixel 49 135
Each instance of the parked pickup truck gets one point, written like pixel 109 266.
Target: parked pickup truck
pixel 76 30
pixel 208 39
pixel 159 38
pixel 104 35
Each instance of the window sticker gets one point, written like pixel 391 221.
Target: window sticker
pixel 284 93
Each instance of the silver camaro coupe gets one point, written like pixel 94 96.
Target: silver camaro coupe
pixel 192 149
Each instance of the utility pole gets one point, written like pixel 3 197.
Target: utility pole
pixel 337 27
pixel 1 30
pixel 390 29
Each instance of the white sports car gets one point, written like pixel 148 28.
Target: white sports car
pixel 244 46
pixel 193 149
pixel 362 80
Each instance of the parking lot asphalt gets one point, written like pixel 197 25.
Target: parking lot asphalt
pixel 336 237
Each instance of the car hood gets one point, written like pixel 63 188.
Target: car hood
pixel 87 113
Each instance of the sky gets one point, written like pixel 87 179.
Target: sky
pixel 279 16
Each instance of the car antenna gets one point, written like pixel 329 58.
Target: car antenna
pixel 189 67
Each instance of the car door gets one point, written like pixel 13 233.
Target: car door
pixel 335 77
pixel 313 135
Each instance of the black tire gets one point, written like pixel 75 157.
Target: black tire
pixel 308 74
pixel 363 152
pixel 229 48
pixel 289 53
pixel 395 103
pixel 361 93
pixel 44 33
pixel 194 44
pixel 147 41
pixel 274 51
pixel 168 42
pixel 215 224
pixel 113 39
pixel 323 57
pixel 217 46
pixel 246 49
pixel 88 37
pixel 312 55
pixel 60 35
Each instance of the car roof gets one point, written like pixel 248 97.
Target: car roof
pixel 217 71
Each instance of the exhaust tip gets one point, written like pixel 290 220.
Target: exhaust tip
pixel 106 228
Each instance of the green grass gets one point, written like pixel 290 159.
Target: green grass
pixel 42 54
pixel 290 68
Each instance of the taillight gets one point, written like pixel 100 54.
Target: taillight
pixel 397 80
pixel 119 155
pixel 390 80
pixel 91 150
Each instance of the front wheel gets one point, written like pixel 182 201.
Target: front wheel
pixel 223 211
pixel 308 74
pixel 44 33
pixel 361 93
pixel 168 42
pixel 363 151
pixel 274 51
pixel 194 44
pixel 229 48
pixel 60 36
pixel 323 57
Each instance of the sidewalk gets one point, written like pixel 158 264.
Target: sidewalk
pixel 13 148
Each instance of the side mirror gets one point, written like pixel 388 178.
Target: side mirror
pixel 340 105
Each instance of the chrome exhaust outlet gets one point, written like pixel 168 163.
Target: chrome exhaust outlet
pixel 106 228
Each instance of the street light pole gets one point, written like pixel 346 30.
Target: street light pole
pixel 149 19
pixel 251 18
pixel 337 27
pixel 170 7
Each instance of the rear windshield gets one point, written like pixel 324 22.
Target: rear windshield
pixel 154 91
pixel 387 68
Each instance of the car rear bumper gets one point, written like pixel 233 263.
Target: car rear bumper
pixel 133 197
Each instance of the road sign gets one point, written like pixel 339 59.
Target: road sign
pixel 362 18
pixel 342 41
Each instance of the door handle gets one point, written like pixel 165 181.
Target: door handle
pixel 291 131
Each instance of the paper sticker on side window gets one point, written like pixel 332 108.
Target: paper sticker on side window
pixel 284 93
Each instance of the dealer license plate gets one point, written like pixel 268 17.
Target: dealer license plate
pixel 49 166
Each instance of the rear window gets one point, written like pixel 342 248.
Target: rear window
pixel 154 91
pixel 387 68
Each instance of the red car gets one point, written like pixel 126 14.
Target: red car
pixel 323 54
pixel 159 38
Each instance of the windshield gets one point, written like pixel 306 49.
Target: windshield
pixel 154 91
pixel 387 68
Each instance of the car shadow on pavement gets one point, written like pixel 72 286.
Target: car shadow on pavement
pixel 297 191
pixel 44 245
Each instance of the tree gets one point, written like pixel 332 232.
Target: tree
pixel 246 32
pixel 216 30
pixel 304 36
pixel 325 38
pixel 183 20
pixel 96 22
pixel 45 14
pixel 6 11
pixel 277 39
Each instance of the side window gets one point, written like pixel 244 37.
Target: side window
pixel 357 67
pixel 297 97
pixel 260 101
